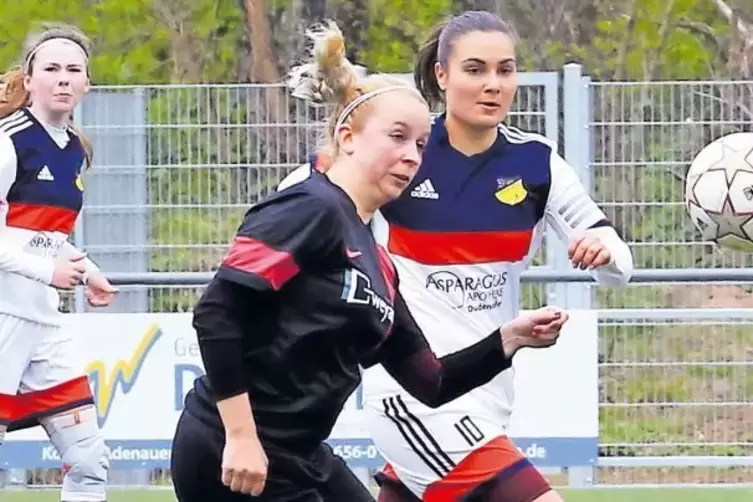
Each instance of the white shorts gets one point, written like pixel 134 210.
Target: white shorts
pixel 441 454
pixel 41 373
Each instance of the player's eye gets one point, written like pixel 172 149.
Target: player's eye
pixel 397 136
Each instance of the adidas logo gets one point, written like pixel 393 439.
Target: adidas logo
pixel 425 190
pixel 45 174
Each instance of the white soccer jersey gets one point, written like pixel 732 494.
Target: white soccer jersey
pixel 40 198
pixel 464 231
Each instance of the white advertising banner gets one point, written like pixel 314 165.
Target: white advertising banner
pixel 140 367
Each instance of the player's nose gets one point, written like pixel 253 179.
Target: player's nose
pixel 412 153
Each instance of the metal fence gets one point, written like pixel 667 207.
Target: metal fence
pixel 176 166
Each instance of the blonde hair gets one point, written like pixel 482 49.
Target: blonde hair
pixel 328 78
pixel 13 93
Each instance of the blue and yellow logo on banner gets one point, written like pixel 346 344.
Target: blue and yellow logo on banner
pixel 105 383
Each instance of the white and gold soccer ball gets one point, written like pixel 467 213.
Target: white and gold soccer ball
pixel 719 191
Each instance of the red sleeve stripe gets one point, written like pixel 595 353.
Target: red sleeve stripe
pixel 254 257
pixel 41 218
pixel 459 248
pixel 388 271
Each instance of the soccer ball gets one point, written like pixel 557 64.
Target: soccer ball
pixel 719 191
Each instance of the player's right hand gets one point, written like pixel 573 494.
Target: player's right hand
pixel 536 329
pixel 244 463
pixel 69 271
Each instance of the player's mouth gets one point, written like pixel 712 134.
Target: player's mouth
pixel 490 106
pixel 401 178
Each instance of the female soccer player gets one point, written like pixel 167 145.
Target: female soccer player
pixel 41 159
pixel 305 296
pixel 460 236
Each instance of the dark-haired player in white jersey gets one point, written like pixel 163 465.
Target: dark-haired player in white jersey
pixel 460 236
pixel 305 297
pixel 42 380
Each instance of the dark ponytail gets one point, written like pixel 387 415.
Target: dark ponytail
pixel 423 70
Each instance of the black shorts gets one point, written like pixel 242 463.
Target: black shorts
pixel 196 470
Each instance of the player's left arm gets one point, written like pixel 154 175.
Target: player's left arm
pixel 434 381
pixel 407 356
pixel 593 243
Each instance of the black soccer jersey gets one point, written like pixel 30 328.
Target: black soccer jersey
pixel 303 298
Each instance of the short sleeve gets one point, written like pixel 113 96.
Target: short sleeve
pixel 289 232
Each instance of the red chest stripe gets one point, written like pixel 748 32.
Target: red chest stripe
pixel 41 218
pixel 459 248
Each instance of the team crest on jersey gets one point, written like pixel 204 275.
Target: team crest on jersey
pixel 80 182
pixel 510 191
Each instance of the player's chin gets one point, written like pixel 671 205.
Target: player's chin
pixel 393 185
pixel 62 105
pixel 489 119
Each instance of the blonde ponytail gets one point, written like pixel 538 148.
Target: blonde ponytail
pixel 328 78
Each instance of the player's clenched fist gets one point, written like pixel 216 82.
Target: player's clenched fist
pixel 537 329
pixel 244 463
pixel 587 251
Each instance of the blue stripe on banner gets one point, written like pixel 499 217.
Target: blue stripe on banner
pixel 148 454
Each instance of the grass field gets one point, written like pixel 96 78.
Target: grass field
pixel 619 495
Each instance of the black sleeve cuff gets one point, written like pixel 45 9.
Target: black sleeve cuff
pixel 490 351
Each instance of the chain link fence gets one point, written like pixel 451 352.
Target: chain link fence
pixel 177 166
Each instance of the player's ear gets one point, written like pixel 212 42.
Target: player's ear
pixel 344 138
pixel 27 82
pixel 441 75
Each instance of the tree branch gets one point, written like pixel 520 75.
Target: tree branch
pixel 664 31
pixel 745 30
pixel 625 42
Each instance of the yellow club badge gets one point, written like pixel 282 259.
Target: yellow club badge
pixel 80 182
pixel 511 192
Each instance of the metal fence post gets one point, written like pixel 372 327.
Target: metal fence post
pixel 576 145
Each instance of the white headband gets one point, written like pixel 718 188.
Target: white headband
pixel 368 95
pixel 50 42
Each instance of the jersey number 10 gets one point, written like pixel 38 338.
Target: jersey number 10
pixel 469 430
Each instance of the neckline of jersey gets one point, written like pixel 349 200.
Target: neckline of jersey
pixel 441 136
pixel 48 129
